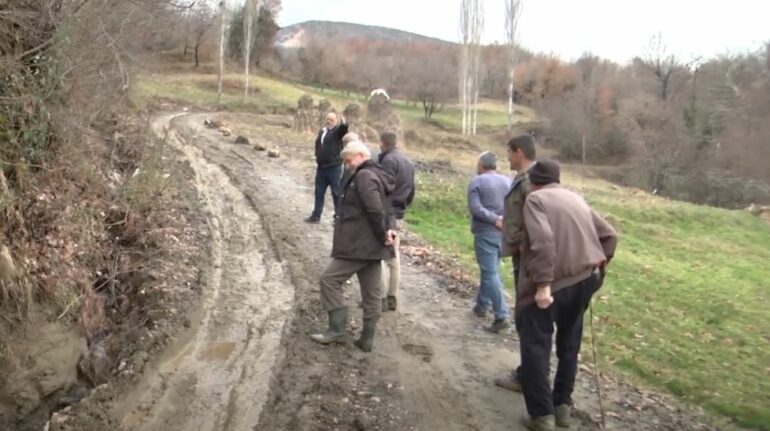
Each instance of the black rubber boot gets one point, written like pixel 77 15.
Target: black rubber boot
pixel 336 332
pixel 367 334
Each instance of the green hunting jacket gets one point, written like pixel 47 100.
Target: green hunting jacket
pixel 513 216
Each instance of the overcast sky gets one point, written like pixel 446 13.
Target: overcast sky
pixel 615 29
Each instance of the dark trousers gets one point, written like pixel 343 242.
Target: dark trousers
pixel 536 327
pixel 325 178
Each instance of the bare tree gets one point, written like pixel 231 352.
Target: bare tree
pixel 465 38
pixel 513 10
pixel 478 29
pixel 200 21
pixel 222 32
pixel 663 63
pixel 471 28
pixel 251 11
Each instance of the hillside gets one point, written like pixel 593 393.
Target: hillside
pixel 297 35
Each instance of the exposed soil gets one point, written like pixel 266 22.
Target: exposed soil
pixel 154 302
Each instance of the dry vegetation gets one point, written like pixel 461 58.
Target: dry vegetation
pixel 79 180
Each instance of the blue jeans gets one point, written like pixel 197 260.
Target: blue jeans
pixel 488 250
pixel 325 178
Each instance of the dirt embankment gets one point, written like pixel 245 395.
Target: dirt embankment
pixel 148 292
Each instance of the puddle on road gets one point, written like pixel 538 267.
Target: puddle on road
pixel 218 351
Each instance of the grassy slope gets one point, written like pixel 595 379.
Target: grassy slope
pixel 685 307
pixel 199 90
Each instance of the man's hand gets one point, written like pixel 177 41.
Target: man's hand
pixel 499 223
pixel 390 237
pixel 543 296
pixel 603 267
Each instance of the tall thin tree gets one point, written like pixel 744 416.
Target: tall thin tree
pixel 513 10
pixel 465 38
pixel 478 29
pixel 251 11
pixel 471 28
pixel 222 27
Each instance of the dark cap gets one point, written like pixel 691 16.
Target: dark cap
pixel 544 172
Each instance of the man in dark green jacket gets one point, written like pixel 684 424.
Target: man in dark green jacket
pixel 363 238
pixel 521 155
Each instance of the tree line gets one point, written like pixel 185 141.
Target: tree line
pixel 693 129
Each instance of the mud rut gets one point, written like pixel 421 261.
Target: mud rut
pixel 210 382
pixel 248 364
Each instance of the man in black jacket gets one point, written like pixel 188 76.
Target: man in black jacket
pixel 396 164
pixel 328 145
pixel 362 239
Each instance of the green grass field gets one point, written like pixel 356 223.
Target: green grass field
pixel 201 90
pixel 685 306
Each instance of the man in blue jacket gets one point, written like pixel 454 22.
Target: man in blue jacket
pixel 486 195
pixel 328 146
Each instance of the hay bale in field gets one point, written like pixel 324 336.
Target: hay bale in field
pixel 305 102
pixel 381 117
pixel 304 118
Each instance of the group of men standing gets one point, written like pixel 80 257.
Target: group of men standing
pixel 559 248
pixel 370 201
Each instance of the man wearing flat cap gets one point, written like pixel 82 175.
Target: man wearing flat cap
pixel 566 248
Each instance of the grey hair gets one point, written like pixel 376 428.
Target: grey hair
pixel 349 137
pixel 488 160
pixel 356 147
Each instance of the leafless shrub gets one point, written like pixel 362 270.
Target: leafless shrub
pixel 66 69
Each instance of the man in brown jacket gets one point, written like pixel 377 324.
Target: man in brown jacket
pixel 362 239
pixel 566 248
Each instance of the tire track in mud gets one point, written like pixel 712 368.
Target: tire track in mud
pixel 219 378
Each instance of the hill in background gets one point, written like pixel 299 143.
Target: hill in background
pixel 298 35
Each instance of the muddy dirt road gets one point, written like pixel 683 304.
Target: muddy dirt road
pixel 248 363
pixel 209 381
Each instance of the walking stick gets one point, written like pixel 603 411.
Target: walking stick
pixel 596 364
pixel 602 274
